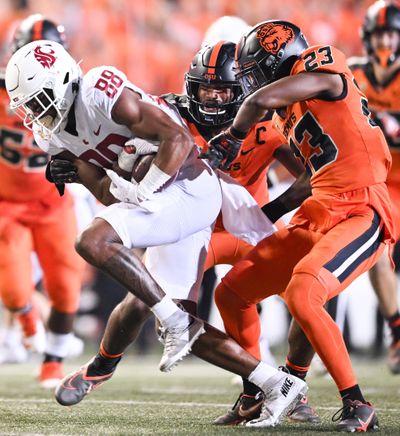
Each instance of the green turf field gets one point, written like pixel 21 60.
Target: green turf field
pixel 140 400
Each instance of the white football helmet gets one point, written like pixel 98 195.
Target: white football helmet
pixel 226 28
pixel 42 80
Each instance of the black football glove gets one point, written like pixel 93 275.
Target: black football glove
pixel 61 171
pixel 223 150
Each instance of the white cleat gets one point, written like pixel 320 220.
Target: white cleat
pixel 37 342
pixel 282 392
pixel 178 342
pixel 13 353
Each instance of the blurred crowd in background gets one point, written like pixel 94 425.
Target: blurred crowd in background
pixel 153 42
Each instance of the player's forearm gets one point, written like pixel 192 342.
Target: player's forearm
pixel 96 181
pixel 289 200
pixel 173 151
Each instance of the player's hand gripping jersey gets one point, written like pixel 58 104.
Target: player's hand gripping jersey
pixel 344 153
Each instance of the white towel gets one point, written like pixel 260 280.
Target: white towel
pixel 241 214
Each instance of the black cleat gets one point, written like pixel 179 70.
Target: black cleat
pixel 394 358
pixel 303 412
pixel 74 387
pixel 356 416
pixel 246 408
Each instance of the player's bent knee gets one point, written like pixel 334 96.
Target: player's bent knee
pixel 226 300
pixel 304 293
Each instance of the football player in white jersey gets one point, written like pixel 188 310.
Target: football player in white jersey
pixel 85 121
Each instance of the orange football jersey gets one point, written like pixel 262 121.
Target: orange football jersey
pixel 22 169
pixel 252 163
pixel 381 99
pixel 335 138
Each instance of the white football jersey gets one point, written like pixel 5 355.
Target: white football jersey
pixel 98 138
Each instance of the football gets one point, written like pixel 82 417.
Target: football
pixel 141 166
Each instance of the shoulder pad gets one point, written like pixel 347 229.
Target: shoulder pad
pixel 357 62
pixel 180 101
pixel 175 99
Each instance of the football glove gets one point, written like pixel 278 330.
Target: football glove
pixel 61 171
pixel 123 190
pixel 222 150
pixel 133 149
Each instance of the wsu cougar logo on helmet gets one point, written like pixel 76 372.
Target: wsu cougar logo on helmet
pixel 46 59
pixel 272 36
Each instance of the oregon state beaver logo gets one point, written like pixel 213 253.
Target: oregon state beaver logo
pixel 46 59
pixel 272 36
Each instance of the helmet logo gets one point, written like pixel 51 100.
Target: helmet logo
pixel 45 59
pixel 272 36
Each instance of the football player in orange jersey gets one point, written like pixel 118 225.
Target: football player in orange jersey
pixel 378 76
pixel 33 217
pixel 338 232
pixel 211 101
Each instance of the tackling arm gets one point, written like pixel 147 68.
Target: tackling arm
pixel 290 199
pixel 285 92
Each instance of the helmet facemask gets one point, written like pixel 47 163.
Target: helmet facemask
pixel 43 112
pixel 213 112
pixel 212 67
pixel 253 77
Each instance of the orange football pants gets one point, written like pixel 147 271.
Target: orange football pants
pixel 226 249
pixel 52 236
pixel 329 242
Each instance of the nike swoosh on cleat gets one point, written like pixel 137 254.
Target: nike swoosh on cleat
pixel 246 412
pixel 243 153
pixel 364 425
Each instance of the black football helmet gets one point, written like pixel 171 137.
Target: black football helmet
pixel 37 27
pixel 267 53
pixel 213 65
pixel 380 16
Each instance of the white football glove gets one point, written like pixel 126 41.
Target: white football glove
pixel 132 150
pixel 122 189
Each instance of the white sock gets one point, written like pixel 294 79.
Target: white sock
pixel 261 373
pixel 164 309
pixel 58 344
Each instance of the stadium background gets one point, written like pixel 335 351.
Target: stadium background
pixel 153 41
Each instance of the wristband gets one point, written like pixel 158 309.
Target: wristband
pixel 274 210
pixel 152 182
pixel 238 134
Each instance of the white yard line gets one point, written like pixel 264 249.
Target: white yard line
pixel 152 403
